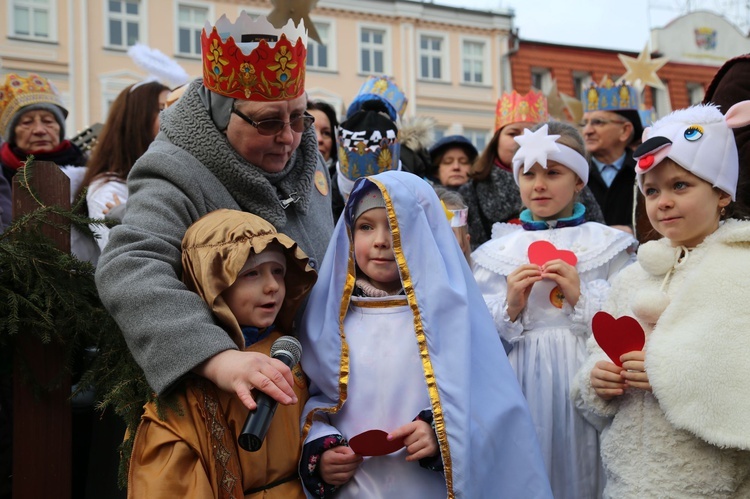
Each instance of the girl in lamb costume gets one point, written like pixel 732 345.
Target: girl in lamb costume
pixel 676 413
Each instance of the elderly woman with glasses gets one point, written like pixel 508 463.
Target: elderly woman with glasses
pixel 239 138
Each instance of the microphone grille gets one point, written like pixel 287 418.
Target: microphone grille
pixel 289 346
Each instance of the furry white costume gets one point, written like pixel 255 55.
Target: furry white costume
pixel 689 438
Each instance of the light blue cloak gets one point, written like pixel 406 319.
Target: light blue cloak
pixel 485 433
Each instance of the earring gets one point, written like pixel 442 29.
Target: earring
pixel 723 211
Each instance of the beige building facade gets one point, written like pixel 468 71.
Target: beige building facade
pixel 452 63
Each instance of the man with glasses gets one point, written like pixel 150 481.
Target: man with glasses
pixel 239 138
pixel 610 124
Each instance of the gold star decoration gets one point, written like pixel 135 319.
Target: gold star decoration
pixel 641 71
pixel 562 106
pixel 555 104
pixel 574 107
pixel 296 10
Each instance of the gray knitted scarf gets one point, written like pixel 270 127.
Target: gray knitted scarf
pixel 188 125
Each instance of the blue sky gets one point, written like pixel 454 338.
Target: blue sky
pixel 596 23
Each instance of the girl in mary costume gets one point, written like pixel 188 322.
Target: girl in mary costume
pixel 542 304
pixel 677 411
pixel 396 338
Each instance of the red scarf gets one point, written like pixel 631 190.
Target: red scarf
pixel 502 166
pixel 13 157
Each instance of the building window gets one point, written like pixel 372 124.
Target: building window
pixel 662 100
pixel 372 50
pixel 190 21
pixel 318 56
pixel 431 57
pixel 477 137
pixel 695 93
pixel 33 19
pixel 541 79
pixel 474 60
pixel 123 22
pixel 581 83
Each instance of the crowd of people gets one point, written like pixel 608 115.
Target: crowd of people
pixel 443 354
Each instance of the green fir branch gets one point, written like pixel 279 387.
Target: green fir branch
pixel 51 296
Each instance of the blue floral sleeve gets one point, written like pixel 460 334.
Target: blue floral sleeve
pixel 309 466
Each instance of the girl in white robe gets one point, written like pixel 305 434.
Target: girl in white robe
pixel 544 310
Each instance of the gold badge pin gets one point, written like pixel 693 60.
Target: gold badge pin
pixel 321 183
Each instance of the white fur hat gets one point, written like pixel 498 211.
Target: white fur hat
pixel 700 140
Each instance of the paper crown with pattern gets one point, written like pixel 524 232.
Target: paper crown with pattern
pixel 610 97
pixel 384 89
pixel 18 92
pixel 251 60
pixel 514 108
pixel 368 144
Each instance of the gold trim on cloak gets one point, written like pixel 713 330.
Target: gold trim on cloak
pixel 396 302
pixel 344 362
pixel 429 373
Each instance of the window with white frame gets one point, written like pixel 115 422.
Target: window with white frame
pixel 541 79
pixel 662 101
pixel 473 59
pixel 432 49
pixel 123 22
pixel 318 56
pixel 33 19
pixel 477 137
pixel 372 46
pixel 695 93
pixel 190 21
pixel 581 83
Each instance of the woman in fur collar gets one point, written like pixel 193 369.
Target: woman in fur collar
pixel 238 139
pixel 675 415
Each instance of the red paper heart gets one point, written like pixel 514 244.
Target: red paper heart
pixel 374 443
pixel 541 252
pixel 617 336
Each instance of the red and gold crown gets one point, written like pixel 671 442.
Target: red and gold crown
pixel 251 60
pixel 514 107
pixel 18 92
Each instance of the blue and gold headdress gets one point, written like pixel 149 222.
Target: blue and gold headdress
pixel 367 145
pixel 383 89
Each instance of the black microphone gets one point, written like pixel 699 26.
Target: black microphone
pixel 288 350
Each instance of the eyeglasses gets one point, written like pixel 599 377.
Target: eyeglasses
pixel 272 127
pixel 598 122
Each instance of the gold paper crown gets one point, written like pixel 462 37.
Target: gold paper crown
pixel 514 107
pixel 609 96
pixel 18 92
pixel 251 60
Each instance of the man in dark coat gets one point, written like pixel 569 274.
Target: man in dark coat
pixel 610 124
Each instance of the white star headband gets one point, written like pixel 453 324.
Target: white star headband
pixel 539 147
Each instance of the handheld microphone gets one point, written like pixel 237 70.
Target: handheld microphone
pixel 288 350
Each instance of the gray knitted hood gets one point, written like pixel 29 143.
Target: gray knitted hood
pixel 188 125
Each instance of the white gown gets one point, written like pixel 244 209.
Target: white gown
pixel 549 340
pixel 379 350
